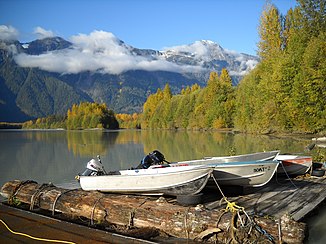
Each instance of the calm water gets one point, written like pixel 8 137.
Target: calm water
pixel 57 156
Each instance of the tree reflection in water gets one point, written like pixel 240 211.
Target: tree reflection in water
pixel 58 156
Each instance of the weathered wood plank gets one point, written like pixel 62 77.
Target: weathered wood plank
pixel 306 193
pixel 316 199
pixel 277 199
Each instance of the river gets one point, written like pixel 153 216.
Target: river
pixel 57 155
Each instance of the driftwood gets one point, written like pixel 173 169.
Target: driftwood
pixel 150 212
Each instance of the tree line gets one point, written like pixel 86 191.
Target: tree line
pixel 86 115
pixel 194 108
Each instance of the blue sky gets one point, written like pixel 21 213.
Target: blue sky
pixel 152 24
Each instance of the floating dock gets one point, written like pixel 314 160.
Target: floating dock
pixel 294 197
pixel 271 213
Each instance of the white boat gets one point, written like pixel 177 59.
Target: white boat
pixel 259 156
pixel 172 181
pixel 320 142
pixel 251 174
pixel 182 178
pixel 247 174
pixel 293 164
pixel 319 139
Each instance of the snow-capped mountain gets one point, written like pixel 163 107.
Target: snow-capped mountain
pixel 103 52
pixel 201 57
pixel 211 57
pixel 37 76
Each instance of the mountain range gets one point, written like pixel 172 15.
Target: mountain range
pixel 47 76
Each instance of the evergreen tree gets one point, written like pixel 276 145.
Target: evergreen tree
pixel 314 16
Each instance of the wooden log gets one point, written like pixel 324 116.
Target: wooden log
pixel 140 212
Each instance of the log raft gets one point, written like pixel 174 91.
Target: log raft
pixel 162 214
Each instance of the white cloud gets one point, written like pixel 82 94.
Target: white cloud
pixel 42 33
pixel 99 51
pixel 251 63
pixel 8 33
pixel 197 49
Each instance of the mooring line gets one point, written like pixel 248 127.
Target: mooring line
pixel 56 199
pixel 17 189
pixel 37 193
pixel 235 209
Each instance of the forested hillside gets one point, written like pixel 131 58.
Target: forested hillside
pixel 286 92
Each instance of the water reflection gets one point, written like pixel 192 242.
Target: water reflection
pixel 184 145
pixel 85 143
pixel 57 156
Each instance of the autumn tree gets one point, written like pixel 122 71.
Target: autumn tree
pixel 91 115
pixel 286 91
pixel 218 102
pixel 150 107
pixel 270 32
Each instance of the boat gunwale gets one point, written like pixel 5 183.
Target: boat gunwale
pixel 243 164
pixel 226 159
pixel 245 155
pixel 148 190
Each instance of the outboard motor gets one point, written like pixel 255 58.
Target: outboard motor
pixel 155 157
pixel 94 167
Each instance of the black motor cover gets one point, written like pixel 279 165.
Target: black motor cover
pixel 155 157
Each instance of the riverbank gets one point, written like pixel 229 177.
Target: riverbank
pixel 8 125
pixel 315 136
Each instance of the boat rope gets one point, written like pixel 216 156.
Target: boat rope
pixel 264 232
pixel 279 231
pixel 233 228
pixel 57 197
pixel 186 222
pixel 93 210
pixel 287 175
pixel 235 210
pixel 17 189
pixel 220 217
pixel 131 218
pixel 230 206
pixel 33 237
pixel 37 194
